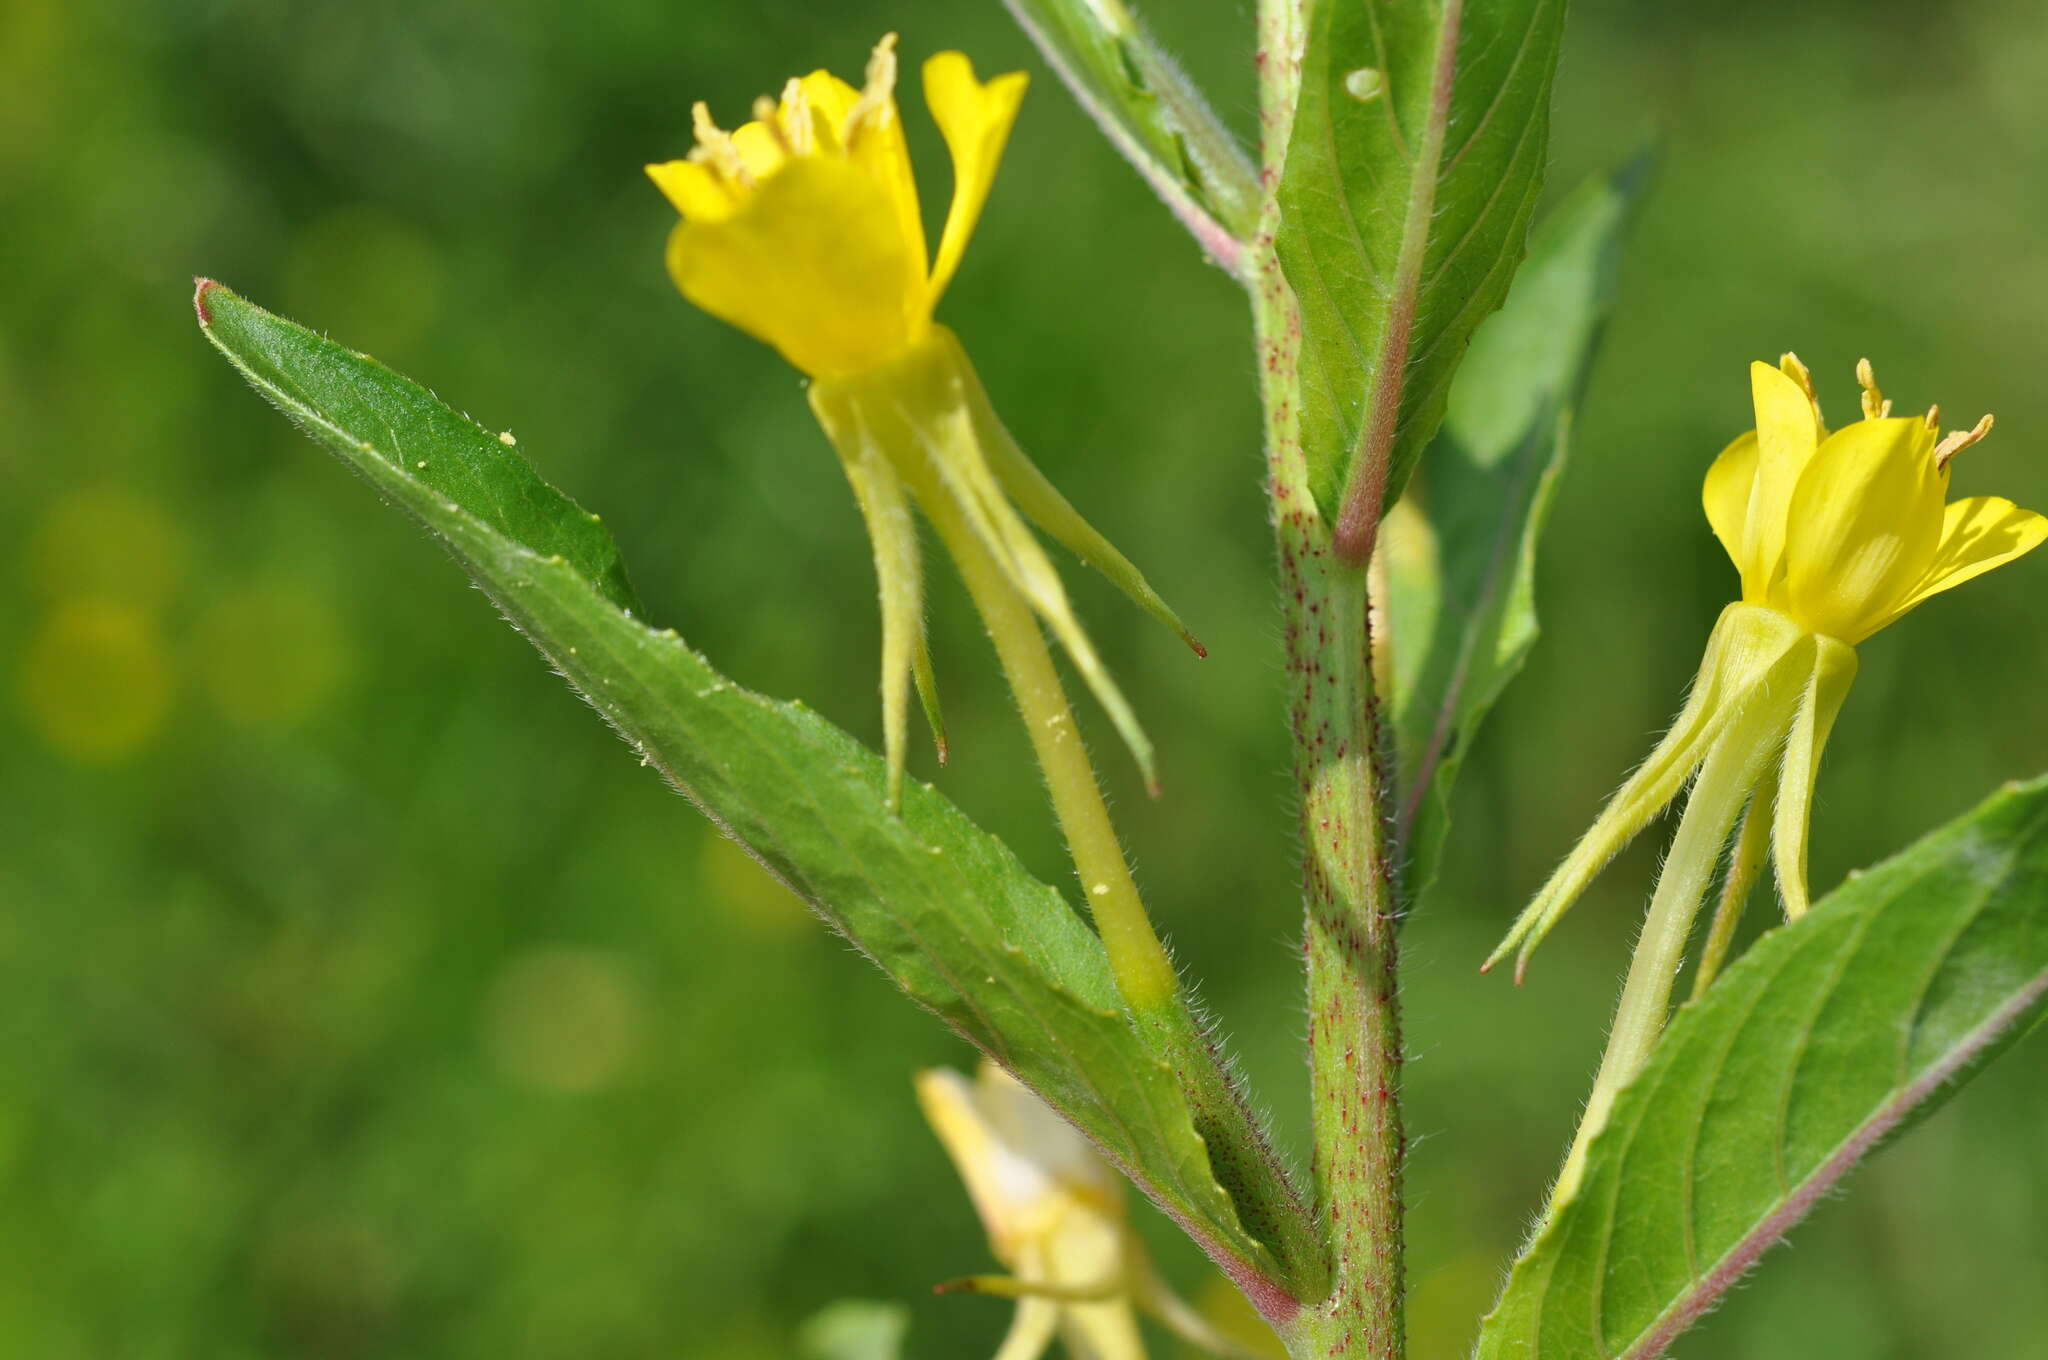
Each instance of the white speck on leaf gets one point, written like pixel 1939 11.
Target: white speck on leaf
pixel 1364 84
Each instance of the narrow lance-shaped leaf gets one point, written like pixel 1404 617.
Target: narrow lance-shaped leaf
pixel 1829 1035
pixel 1412 171
pixel 940 905
pixel 1150 111
pixel 1460 552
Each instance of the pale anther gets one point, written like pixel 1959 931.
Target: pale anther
pixel 879 91
pixel 714 147
pixel 1789 365
pixel 799 136
pixel 769 117
pixel 1875 407
pixel 1959 440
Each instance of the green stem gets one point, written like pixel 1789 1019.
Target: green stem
pixel 1349 943
pixel 1143 971
pixel 1240 1153
pixel 1726 781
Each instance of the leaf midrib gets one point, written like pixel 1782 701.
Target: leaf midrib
pixel 1735 1262
pixel 1796 1200
pixel 1358 520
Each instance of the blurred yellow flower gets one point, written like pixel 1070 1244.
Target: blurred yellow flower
pixel 1054 1213
pixel 95 680
pixel 802 227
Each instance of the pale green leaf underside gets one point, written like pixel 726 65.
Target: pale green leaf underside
pixel 1404 211
pixel 1460 572
pixel 942 907
pixel 1828 1036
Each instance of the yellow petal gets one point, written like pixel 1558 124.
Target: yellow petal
pixel 695 190
pixel 1977 534
pixel 1031 1330
pixel 1726 497
pixel 1786 439
pixel 1865 521
pixel 1101 1331
pixel 975 120
pixel 831 100
pixel 762 148
pixel 871 130
pixel 811 262
pixel 994 1178
pixel 1035 1131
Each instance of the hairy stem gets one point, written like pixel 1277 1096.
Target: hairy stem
pixel 1349 944
pixel 1143 971
pixel 1240 1152
pixel 1724 784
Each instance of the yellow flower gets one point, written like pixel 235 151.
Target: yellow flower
pixel 1844 532
pixel 802 229
pixel 1054 1213
pixel 1836 535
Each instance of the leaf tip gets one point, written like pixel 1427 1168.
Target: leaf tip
pixel 200 287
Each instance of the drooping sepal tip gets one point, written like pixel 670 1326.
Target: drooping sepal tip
pixel 1743 661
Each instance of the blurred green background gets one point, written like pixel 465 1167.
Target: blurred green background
pixel 361 996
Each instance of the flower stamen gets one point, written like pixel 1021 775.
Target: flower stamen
pixel 715 148
pixel 769 115
pixel 798 133
pixel 1791 367
pixel 877 93
pixel 1958 440
pixel 1875 406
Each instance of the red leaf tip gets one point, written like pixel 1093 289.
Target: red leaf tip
pixel 200 285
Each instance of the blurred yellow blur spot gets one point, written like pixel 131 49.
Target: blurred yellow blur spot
pixel 564 1019
pixel 271 653
pixel 94 682
pixel 370 278
pixel 109 543
pixel 745 893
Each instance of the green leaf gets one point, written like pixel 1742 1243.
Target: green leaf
pixel 1827 1037
pixel 1148 108
pixel 1460 551
pixel 1412 170
pixel 940 905
pixel 854 1329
